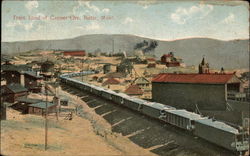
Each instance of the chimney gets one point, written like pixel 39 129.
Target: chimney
pixel 22 79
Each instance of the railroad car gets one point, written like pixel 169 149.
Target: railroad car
pixel 221 134
pixel 133 103
pixel 107 94
pixel 97 90
pixel 119 98
pixel 180 118
pixel 154 109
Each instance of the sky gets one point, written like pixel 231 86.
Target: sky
pixel 165 20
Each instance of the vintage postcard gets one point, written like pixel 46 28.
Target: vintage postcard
pixel 125 78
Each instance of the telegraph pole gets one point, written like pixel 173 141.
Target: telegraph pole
pixel 46 119
pixel 82 69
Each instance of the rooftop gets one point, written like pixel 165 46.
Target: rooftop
pixel 42 105
pixel 28 100
pixel 111 81
pixel 16 88
pixel 210 78
pixel 134 90
pixel 33 74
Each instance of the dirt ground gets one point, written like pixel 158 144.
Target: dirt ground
pixel 85 135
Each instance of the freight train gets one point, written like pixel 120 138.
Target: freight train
pixel 216 132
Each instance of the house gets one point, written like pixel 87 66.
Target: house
pixel 170 60
pixel 11 76
pixel 134 90
pixel 145 85
pixel 47 66
pixel 111 81
pixel 207 91
pixel 40 108
pixel 106 68
pixel 151 65
pixel 74 53
pixel 13 91
pixel 118 75
pixel 32 81
pixel 23 103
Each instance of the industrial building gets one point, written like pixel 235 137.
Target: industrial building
pixel 207 91
pixel 74 53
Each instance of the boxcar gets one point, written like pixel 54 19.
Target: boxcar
pixel 222 134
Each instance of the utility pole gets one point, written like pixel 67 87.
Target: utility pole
pixel 82 69
pixel 46 119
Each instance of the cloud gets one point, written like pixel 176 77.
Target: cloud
pixel 31 5
pixel 89 6
pixel 105 10
pixel 128 20
pixel 229 19
pixel 84 7
pixel 91 26
pixel 181 15
pixel 18 23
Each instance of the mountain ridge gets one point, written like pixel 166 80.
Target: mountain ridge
pixel 219 53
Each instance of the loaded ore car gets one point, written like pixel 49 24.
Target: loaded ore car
pixel 119 98
pixel 154 109
pixel 97 90
pixel 133 103
pixel 107 94
pixel 221 134
pixel 181 118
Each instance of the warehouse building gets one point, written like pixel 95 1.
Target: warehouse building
pixel 205 91
pixel 74 53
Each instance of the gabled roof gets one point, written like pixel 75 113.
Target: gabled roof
pixel 196 78
pixel 16 88
pixel 33 74
pixel 27 100
pixel 115 75
pixel 140 80
pixel 111 81
pixel 42 105
pixel 134 90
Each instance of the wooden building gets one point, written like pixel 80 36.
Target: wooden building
pixel 33 81
pixel 188 91
pixel 134 90
pixel 145 85
pixel 23 103
pixel 11 76
pixel 40 108
pixel 13 91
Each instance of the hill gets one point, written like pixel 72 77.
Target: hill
pixel 228 54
